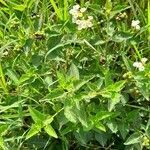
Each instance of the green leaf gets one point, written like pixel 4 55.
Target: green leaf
pixel 69 114
pixel 61 79
pixel 12 75
pixel 3 129
pixel 126 62
pixel 74 72
pixel 3 2
pixel 113 126
pixel 19 7
pixel 50 131
pixel 36 115
pixel 101 127
pixel 116 87
pixel 14 105
pixel 26 76
pixel 134 138
pixel 108 6
pixel 2 145
pixel 48 120
pixel 78 84
pixel 81 115
pixel 35 128
pixel 102 137
pixel 82 136
pixel 115 98
pixel 102 115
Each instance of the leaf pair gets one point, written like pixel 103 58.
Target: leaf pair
pixel 41 121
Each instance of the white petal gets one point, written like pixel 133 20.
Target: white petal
pixel 90 17
pixel 76 7
pixel 136 64
pixel 141 68
pixel 144 60
pixel 135 23
pixel 83 9
pixel 137 27
pixel 78 22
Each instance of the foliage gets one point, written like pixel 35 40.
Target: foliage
pixel 64 88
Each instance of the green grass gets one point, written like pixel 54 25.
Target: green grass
pixel 64 88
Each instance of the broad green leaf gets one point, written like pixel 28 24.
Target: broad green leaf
pixel 122 36
pixel 12 75
pixel 26 76
pixel 126 62
pixel 113 126
pixel 102 115
pixel 48 120
pixel 78 84
pixel 35 128
pixel 36 115
pixel 61 79
pixel 124 129
pixel 81 115
pixel 134 138
pixel 115 98
pixel 101 127
pixel 116 87
pixel 82 136
pixel 102 137
pixel 69 114
pixel 50 131
pixel 73 71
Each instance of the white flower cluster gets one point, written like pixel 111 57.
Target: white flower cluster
pixel 140 65
pixel 135 24
pixel 79 18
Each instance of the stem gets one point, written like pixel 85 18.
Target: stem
pixel 137 52
pixel 2 80
pixel 148 20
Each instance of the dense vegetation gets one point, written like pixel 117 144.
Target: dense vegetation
pixel 74 74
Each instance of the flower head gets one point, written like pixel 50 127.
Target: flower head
pixel 83 9
pixel 135 24
pixel 140 65
pixel 79 17
pixel 144 60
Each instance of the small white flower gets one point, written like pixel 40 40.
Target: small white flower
pixel 141 68
pixel 81 24
pixel 89 23
pixel 137 27
pixel 78 18
pixel 78 22
pixel 82 10
pixel 136 64
pixel 90 17
pixel 135 24
pixel 72 11
pixel 144 60
pixel 74 20
pixel 76 7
